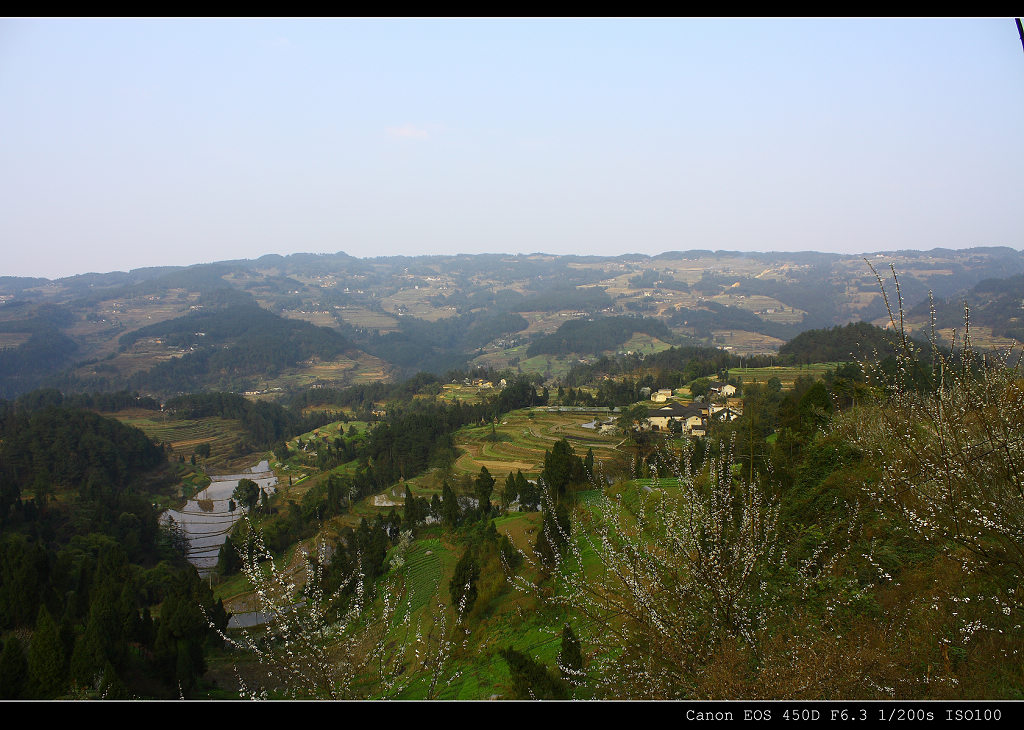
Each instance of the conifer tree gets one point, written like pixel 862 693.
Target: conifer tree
pixel 411 511
pixel 13 668
pixel 462 586
pixel 87 660
pixel 112 688
pixel 561 469
pixel 450 513
pixel 511 492
pixel 509 554
pixel 529 494
pixel 554 535
pixel 484 487
pixel 146 629
pixel 46 674
pixel 570 657
pixel 531 680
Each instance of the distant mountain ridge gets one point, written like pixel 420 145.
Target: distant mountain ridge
pixel 293 321
pixel 994 303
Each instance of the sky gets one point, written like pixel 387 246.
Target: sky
pixel 147 142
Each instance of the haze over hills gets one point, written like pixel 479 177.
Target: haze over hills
pixel 451 411
pixel 278 323
pixel 663 470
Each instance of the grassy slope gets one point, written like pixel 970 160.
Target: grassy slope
pixel 223 435
pixel 787 375
pixel 509 618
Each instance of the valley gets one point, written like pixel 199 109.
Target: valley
pixel 467 458
pixel 392 317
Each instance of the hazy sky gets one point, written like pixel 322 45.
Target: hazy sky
pixel 128 143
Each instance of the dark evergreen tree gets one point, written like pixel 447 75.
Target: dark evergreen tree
pixel 415 510
pixel 484 487
pixel 182 632
pixel 247 493
pixel 815 407
pixel 462 586
pixel 23 566
pixel 13 669
pixel 570 656
pixel 529 493
pixel 509 555
pixel 111 686
pixel 562 468
pixel 87 659
pixel 47 677
pixel 510 493
pixel 146 630
pixel 553 537
pixel 450 512
pixel 531 680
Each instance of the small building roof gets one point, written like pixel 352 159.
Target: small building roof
pixel 674 410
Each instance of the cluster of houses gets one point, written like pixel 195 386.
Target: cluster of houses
pixel 480 383
pixel 695 418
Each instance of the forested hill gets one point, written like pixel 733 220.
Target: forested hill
pixel 712 315
pixel 995 303
pixel 442 345
pixel 238 322
pixel 562 298
pixel 230 345
pixel 44 350
pixel 84 564
pixel 595 336
pixel 280 323
pixel 60 447
pixel 265 423
pixel 854 342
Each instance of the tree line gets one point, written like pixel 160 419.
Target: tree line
pixel 84 562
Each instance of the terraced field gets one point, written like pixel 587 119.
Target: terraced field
pixel 138 358
pixel 550 366
pixel 741 342
pixel 464 393
pixel 500 359
pixel 787 375
pixel 758 304
pixel 223 435
pixel 415 303
pixel 354 368
pixel 423 572
pixel 981 336
pixel 366 318
pixel 522 441
pixel 558 366
pixel 641 342
pixel 330 431
pixel 321 318
pixel 13 339
pixel 544 322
